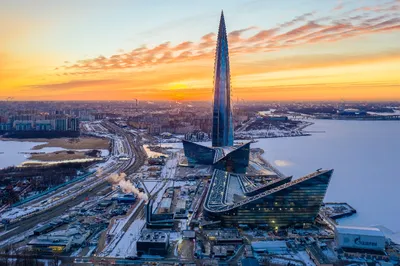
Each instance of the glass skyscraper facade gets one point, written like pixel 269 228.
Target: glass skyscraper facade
pixel 292 203
pixel 198 154
pixel 222 125
pixel 222 154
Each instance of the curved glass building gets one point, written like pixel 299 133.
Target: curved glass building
pixel 232 199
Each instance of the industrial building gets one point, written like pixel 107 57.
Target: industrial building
pixel 153 243
pixel 235 200
pixel 180 206
pixel 227 236
pixel 51 244
pixel 48 227
pixel 223 251
pixel 61 241
pixel 126 198
pixel 359 238
pixel 165 205
pixel 158 220
pixel 270 247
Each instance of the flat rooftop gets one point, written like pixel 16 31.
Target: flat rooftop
pixel 356 230
pixel 51 240
pixel 269 245
pixel 151 236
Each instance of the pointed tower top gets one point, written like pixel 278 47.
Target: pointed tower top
pixel 222 19
pixel 221 29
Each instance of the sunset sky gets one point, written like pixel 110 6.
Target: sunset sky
pixel 163 50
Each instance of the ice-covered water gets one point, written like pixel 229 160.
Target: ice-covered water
pixel 10 152
pixel 366 159
pixel 16 152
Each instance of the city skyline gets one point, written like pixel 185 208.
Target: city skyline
pixel 130 49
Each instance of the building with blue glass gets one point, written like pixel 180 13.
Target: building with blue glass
pixel 233 199
pixel 222 123
pixel 222 154
pixel 233 196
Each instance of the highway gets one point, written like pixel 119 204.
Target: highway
pixel 137 157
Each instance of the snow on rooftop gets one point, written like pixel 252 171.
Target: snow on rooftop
pixel 370 231
pixel 269 245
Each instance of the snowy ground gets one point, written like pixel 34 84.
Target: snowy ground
pixel 120 222
pixel 302 255
pixel 150 185
pixel 59 196
pixel 282 261
pixel 151 154
pixel 394 236
pixel 126 246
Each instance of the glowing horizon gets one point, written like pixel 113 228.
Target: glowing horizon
pixel 99 51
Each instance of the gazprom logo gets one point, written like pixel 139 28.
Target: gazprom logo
pixel 360 242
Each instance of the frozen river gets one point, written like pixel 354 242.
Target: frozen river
pixel 366 159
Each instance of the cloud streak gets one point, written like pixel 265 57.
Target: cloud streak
pixel 298 31
pixel 76 84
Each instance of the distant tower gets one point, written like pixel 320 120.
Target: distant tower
pixel 222 128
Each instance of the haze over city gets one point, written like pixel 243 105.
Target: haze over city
pixel 163 50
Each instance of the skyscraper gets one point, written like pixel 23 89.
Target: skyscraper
pixel 222 155
pixel 222 125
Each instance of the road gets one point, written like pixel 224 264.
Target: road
pixel 137 158
pixel 245 125
pixel 67 260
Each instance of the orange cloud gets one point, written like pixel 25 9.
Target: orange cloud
pixel 296 32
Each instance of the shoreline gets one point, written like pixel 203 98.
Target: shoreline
pixel 63 149
pixel 59 156
pixel 66 143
